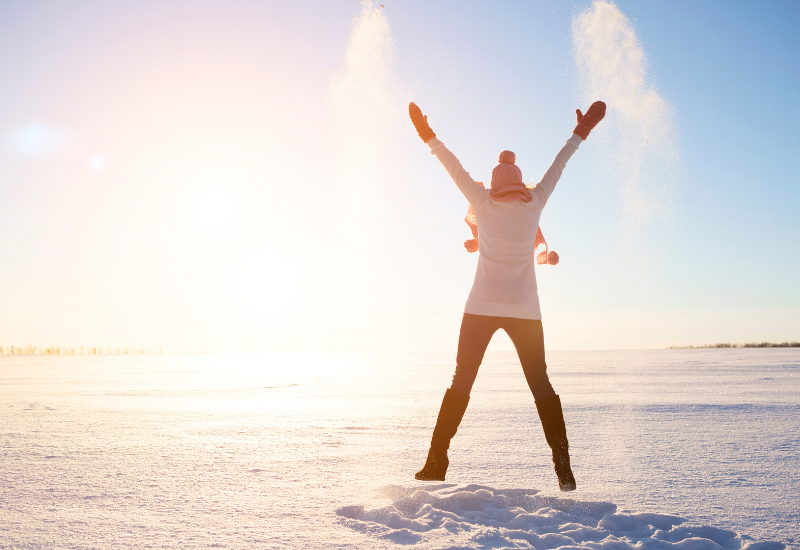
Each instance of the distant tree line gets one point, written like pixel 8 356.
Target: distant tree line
pixel 750 345
pixel 30 349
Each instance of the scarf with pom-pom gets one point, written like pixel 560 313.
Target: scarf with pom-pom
pixel 509 193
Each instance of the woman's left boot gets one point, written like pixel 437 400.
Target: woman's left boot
pixel 555 432
pixel 454 405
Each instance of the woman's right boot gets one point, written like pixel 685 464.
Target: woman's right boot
pixel 555 432
pixel 453 406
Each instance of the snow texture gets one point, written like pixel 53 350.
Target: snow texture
pixel 477 516
pixel 288 451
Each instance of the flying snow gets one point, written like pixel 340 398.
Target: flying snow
pixel 638 139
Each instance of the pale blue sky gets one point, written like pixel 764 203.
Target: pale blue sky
pixel 214 146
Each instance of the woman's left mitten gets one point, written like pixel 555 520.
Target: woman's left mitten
pixel 420 123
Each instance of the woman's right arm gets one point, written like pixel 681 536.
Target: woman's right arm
pixel 545 187
pixel 587 122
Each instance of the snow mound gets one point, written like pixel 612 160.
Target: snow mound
pixel 477 516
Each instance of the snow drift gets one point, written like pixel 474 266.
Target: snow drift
pixel 477 516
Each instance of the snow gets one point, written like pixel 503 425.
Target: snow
pixel 671 448
pixel 475 516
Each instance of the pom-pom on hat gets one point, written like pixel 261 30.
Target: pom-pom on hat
pixel 507 157
pixel 506 173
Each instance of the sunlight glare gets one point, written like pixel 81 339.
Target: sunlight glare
pixel 97 162
pixel 37 140
pixel 267 284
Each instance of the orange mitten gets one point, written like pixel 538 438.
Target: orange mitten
pixel 587 122
pixel 420 123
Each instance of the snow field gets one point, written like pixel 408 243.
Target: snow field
pixel 293 451
pixel 474 516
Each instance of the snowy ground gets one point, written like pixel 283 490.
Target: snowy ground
pixel 687 448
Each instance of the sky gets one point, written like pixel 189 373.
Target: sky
pixel 242 175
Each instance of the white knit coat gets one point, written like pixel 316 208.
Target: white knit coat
pixel 505 281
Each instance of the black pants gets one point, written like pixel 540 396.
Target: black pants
pixel 528 339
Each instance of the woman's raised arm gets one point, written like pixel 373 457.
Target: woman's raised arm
pixel 471 190
pixel 586 123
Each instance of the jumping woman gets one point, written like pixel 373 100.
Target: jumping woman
pixel 504 294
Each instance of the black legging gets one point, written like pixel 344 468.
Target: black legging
pixel 528 339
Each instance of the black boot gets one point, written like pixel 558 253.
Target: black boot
pixel 556 434
pixel 453 406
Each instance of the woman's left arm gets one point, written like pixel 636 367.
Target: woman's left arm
pixel 468 186
pixel 470 189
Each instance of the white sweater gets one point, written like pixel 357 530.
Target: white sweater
pixel 505 282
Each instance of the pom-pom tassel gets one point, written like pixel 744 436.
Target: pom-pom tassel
pixel 472 244
pixel 550 258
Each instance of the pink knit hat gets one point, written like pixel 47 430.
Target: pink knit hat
pixel 506 173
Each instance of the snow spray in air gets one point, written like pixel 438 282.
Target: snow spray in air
pixel 369 178
pixel 638 139
pixel 368 115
